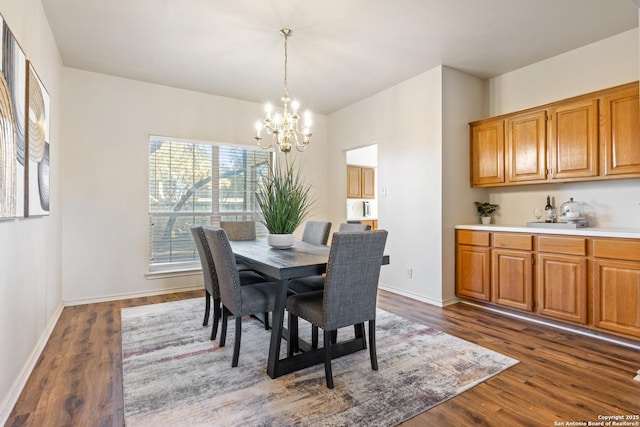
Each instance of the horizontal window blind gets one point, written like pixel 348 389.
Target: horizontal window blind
pixel 198 183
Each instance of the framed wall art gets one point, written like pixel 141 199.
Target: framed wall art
pixel 12 125
pixel 37 137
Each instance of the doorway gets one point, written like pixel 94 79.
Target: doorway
pixel 361 203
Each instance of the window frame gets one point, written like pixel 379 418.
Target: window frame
pixel 179 268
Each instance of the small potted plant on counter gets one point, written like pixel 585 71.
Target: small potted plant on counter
pixel 485 210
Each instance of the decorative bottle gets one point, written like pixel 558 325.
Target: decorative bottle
pixel 549 211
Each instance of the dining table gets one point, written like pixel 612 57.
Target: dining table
pixel 301 260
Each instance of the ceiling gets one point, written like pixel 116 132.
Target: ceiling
pixel 341 51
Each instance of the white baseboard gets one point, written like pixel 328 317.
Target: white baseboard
pixel 439 303
pixel 116 297
pixel 25 372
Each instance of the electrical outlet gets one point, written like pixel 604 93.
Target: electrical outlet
pixel 410 273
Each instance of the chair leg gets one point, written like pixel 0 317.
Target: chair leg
pixel 334 336
pixel 216 318
pixel 223 332
pixel 314 337
pixel 360 334
pixel 207 307
pixel 266 320
pixel 236 345
pixel 292 342
pixel 372 344
pixel 328 336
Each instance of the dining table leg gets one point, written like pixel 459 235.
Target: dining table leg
pixel 277 326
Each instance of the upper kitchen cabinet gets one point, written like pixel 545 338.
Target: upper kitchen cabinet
pixel 526 147
pixel 573 139
pixel 360 182
pixel 619 133
pixel 487 153
pixel 590 137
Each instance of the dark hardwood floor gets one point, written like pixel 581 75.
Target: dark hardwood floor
pixel 562 377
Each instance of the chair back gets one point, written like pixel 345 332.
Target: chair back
pixel 347 226
pixel 239 230
pixel 226 269
pixel 353 271
pixel 316 232
pixel 206 260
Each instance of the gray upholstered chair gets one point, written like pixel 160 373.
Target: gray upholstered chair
pixel 349 295
pixel 236 300
pixel 239 230
pixel 350 226
pixel 211 286
pixel 316 232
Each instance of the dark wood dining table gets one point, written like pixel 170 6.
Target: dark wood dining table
pixel 303 259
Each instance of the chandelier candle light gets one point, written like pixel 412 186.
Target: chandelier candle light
pixel 284 129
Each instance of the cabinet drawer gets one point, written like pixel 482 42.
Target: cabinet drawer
pixel 562 245
pixel 513 241
pixel 617 249
pixel 474 238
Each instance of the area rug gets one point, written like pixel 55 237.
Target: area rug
pixel 174 375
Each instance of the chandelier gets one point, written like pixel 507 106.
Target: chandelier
pixel 284 128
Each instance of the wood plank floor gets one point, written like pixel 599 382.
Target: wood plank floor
pixel 562 377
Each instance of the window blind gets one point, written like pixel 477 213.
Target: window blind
pixel 194 182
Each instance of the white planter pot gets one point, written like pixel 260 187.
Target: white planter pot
pixel 281 241
pixel 486 220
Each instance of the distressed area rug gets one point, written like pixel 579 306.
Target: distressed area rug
pixel 174 375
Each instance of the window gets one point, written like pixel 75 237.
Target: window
pixel 194 182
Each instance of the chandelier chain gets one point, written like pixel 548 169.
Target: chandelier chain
pixel 286 59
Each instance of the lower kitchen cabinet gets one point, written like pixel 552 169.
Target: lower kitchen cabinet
pixel 512 271
pixel 561 278
pixel 562 287
pixel 472 272
pixel 588 281
pixel 616 305
pixel 472 264
pixel 616 286
pixel 370 222
pixel 512 278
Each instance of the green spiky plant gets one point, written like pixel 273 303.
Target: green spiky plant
pixel 284 199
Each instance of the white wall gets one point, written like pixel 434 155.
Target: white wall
pixel 600 65
pixel 405 122
pixel 105 164
pixel 30 249
pixel 421 128
pixel 462 101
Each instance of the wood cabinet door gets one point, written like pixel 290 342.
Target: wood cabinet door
pixel 370 222
pixel 353 182
pixel 620 134
pixel 526 147
pixel 616 296
pixel 573 140
pixel 561 283
pixel 368 183
pixel 487 153
pixel 512 279
pixel 472 272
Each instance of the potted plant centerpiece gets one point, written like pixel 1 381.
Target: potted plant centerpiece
pixel 485 210
pixel 285 201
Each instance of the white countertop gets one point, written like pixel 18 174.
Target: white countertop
pixel 630 233
pixel 362 218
